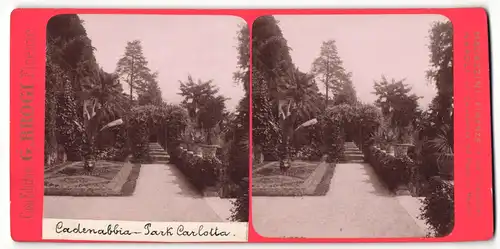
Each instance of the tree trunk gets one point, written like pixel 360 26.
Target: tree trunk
pixel 131 83
pixel 326 96
pixel 286 126
pixel 209 136
pixel 283 147
pixel 327 81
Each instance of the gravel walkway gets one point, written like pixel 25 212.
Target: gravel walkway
pixel 162 194
pixel 356 206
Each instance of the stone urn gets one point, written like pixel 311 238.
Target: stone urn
pixel 89 165
pixel 384 147
pixel 208 150
pixel 446 166
pixel 401 150
pixel 257 156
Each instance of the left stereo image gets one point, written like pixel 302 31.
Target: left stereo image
pixel 146 120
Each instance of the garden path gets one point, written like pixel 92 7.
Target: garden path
pixel 356 206
pixel 162 194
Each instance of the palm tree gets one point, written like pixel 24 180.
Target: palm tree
pixel 103 102
pixel 442 144
pixel 298 101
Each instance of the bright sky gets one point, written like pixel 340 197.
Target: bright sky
pixel 175 46
pixel 370 45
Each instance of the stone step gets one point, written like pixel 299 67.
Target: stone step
pixel 156 147
pixel 353 157
pixel 353 151
pixel 160 156
pixel 157 152
pixel 351 161
pixel 354 148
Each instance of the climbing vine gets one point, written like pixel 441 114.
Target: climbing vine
pixel 145 120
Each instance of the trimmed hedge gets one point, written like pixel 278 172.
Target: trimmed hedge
pixel 392 171
pixel 202 172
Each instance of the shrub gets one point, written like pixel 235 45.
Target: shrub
pixel 308 143
pixel 113 154
pixel 112 145
pixel 331 125
pixel 139 134
pixel 392 171
pixel 438 210
pixel 202 172
pixel 309 152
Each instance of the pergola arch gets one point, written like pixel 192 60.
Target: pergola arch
pixel 166 122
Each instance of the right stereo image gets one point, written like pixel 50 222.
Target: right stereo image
pixel 352 126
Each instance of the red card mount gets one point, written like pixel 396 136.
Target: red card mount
pixel 472 180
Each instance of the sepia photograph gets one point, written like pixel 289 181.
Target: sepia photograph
pixel 147 118
pixel 352 126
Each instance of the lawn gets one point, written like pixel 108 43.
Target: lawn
pixel 302 179
pixel 106 179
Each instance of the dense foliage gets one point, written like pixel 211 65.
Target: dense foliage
pixel 237 135
pixel 206 107
pixel 265 129
pixel 283 97
pixel 438 209
pixel 69 60
pixel 398 105
pixel 435 132
pixel 68 134
pixel 271 62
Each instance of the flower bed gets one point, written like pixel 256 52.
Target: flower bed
pixel 106 179
pixel 302 179
pixel 392 171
